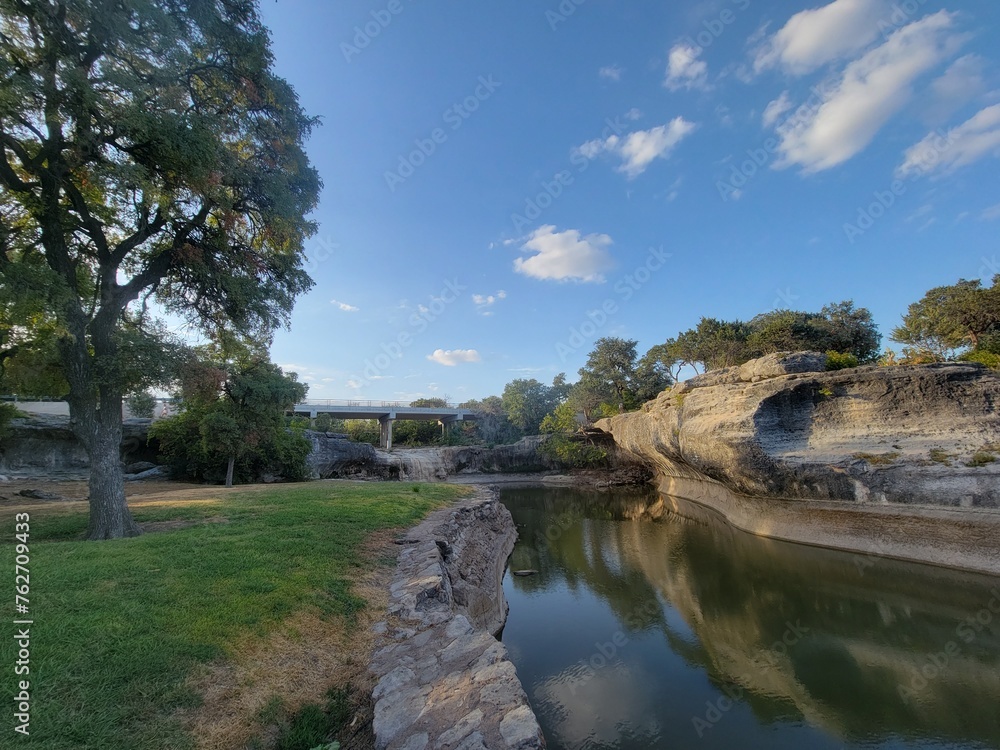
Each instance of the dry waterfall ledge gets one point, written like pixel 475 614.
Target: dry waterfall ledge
pixel 444 680
pixel 889 461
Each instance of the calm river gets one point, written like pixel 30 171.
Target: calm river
pixel 645 628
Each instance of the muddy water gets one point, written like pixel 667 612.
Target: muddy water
pixel 647 628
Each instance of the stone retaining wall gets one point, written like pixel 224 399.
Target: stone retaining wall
pixel 444 680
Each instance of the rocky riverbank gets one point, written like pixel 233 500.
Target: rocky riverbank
pixel 444 680
pixel 780 427
pixel 893 462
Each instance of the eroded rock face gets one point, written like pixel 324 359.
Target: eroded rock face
pixel 334 457
pixel 45 444
pixel 773 428
pixel 445 681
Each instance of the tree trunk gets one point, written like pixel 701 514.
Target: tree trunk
pixel 110 517
pixel 229 471
pixel 96 420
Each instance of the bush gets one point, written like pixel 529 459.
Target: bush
pixel 989 359
pixel 840 360
pixel 574 453
pixel 141 405
pixel 182 448
pixel 7 413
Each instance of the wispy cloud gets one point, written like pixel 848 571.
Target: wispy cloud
pixel 975 139
pixel 344 306
pixel 611 72
pixel 484 301
pixel 991 214
pixel 775 109
pixel 565 256
pixel 639 149
pixel 869 92
pixel 453 357
pixel 813 38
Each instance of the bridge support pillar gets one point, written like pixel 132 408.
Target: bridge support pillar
pixel 385 433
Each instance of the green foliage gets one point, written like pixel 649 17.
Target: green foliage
pixel 326 423
pixel 980 459
pixel 839 327
pixel 877 459
pixel 493 426
pixel 937 455
pixel 150 154
pixel 949 318
pixel 141 404
pixel 526 402
pixel 315 724
pixel 362 430
pixel 840 360
pixel 562 419
pixel 574 452
pixel 615 376
pixel 8 412
pixel 989 359
pixel 123 649
pixel 239 418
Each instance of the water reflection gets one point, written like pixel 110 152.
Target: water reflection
pixel 656 624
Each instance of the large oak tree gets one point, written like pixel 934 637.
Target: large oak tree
pixel 148 152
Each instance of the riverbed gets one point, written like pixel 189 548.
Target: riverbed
pixel 653 624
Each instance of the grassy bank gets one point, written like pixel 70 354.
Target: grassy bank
pixel 121 627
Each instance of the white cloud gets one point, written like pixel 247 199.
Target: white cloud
pixel 991 214
pixel 633 114
pixel 638 149
pixel 976 138
pixel 563 256
pixel 818 36
pixel 774 110
pixel 483 301
pixel 452 357
pixel 684 69
pixel 961 83
pixel 489 299
pixel 344 306
pixel 869 92
pixel 611 72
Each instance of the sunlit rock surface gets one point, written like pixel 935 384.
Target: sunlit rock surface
pixel 773 429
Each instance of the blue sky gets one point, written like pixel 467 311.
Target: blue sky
pixel 505 183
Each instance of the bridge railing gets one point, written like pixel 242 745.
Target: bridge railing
pixel 367 404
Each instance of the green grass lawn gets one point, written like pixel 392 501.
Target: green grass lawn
pixel 118 626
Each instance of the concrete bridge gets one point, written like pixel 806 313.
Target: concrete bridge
pixel 386 412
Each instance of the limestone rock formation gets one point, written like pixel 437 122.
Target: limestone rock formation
pixel 45 444
pixel 445 681
pixel 335 457
pixel 780 427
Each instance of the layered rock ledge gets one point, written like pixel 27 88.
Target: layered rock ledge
pixel 444 680
pixel 894 461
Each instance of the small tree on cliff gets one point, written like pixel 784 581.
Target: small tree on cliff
pixel 148 151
